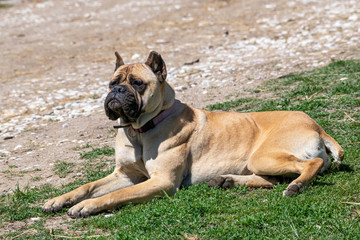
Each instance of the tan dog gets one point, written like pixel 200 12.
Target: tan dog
pixel 164 144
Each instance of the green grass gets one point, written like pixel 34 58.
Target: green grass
pixel 5 5
pixel 91 167
pixel 331 95
pixel 95 152
pixel 62 168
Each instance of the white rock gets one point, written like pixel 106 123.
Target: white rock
pixel 4 151
pixel 17 147
pixel 60 107
pixel 270 6
pixel 353 18
pixel 64 140
pixel 180 88
pixel 134 57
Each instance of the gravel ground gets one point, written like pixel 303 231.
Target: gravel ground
pixel 57 56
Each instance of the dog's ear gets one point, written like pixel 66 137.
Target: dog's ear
pixel 119 61
pixel 157 64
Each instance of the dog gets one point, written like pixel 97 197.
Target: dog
pixel 163 144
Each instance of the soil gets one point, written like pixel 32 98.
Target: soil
pixel 57 56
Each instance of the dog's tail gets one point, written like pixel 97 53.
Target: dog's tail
pixel 333 147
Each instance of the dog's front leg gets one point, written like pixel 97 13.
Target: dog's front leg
pixel 142 192
pixel 118 179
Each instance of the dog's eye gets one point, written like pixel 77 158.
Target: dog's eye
pixel 137 83
pixel 113 83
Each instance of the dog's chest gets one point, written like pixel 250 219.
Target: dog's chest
pixel 131 159
pixel 128 153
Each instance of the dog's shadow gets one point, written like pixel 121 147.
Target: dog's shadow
pixel 343 168
pixel 336 168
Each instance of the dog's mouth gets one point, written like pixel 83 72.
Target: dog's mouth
pixel 123 105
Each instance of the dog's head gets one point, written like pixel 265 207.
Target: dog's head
pixel 138 92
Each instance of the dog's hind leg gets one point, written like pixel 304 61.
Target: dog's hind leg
pixel 229 181
pixel 282 164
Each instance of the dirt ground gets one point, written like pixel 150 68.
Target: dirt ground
pixel 57 56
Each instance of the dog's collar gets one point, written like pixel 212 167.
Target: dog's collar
pixel 153 122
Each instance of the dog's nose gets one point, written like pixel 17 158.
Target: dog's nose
pixel 119 89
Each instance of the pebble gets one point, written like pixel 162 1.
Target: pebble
pixel 180 88
pixel 8 137
pixel 353 17
pixel 135 56
pixel 17 147
pixel 64 140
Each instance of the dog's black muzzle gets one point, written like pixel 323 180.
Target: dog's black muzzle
pixel 121 102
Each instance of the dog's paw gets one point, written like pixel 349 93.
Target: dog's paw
pixel 84 209
pixel 223 182
pixel 293 189
pixel 56 204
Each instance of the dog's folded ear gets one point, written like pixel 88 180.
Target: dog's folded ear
pixel 119 61
pixel 157 64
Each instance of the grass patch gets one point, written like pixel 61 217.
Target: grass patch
pixel 330 95
pixel 37 178
pixel 96 152
pixel 62 168
pixel 78 148
pixel 5 5
pixel 96 165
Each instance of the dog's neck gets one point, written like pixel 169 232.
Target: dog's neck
pixel 155 121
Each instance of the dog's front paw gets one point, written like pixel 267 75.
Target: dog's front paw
pixel 292 189
pixel 56 204
pixel 84 209
pixel 223 182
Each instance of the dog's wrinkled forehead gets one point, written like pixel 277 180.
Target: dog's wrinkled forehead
pixel 128 72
